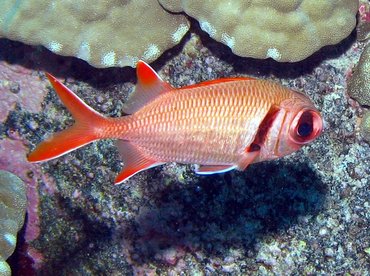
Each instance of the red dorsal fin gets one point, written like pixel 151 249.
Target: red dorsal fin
pixel 149 86
pixel 210 82
pixel 134 161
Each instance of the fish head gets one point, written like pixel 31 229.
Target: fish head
pixel 296 123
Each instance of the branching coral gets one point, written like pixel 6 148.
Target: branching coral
pixel 12 210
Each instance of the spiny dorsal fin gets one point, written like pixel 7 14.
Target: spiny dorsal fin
pixel 149 86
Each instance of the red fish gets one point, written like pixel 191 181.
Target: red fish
pixel 221 125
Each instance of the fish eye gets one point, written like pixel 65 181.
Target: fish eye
pixel 306 126
pixel 305 129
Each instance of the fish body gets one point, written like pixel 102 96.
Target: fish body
pixel 221 125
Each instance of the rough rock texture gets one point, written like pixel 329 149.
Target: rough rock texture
pixel 358 85
pixel 285 30
pixel 304 214
pixel 13 204
pixel 19 86
pixel 103 33
pixel 365 126
pixel 363 18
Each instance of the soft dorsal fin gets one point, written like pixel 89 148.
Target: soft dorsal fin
pixel 149 86
pixel 223 80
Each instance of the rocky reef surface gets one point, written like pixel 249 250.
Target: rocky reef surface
pixel 307 213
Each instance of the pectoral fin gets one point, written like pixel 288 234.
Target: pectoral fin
pixel 248 158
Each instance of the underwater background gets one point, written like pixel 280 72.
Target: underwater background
pixel 304 214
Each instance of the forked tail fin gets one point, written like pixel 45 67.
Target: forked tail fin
pixel 89 126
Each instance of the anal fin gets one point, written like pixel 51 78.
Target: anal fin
pixel 134 161
pixel 212 169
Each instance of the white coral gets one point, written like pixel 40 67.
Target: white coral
pixel 285 30
pixel 12 210
pixel 103 33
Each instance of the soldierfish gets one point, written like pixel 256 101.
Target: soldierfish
pixel 220 125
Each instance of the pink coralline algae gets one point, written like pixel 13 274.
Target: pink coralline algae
pixel 23 87
pixel 13 158
pixel 363 25
pixel 364 12
pixel 19 85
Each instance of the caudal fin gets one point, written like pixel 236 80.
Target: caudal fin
pixel 88 127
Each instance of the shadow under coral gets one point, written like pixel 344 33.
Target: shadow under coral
pixel 227 211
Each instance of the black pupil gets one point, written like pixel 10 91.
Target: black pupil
pixel 304 129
